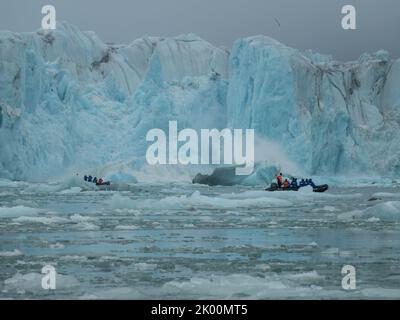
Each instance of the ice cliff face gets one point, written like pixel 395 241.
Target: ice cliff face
pixel 330 117
pixel 70 102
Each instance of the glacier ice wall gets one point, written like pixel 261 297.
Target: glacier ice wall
pixel 330 117
pixel 70 102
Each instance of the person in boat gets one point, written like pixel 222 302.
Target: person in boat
pixel 90 178
pixel 95 180
pixel 286 184
pixel 279 179
pixel 85 177
pixel 100 181
pixel 293 183
pixel 302 183
pixel 311 183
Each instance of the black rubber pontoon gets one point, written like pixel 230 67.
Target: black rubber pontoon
pixel 274 187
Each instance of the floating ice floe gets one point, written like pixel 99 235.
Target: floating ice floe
pixel 42 220
pixel 384 195
pixel 251 287
pixel 14 253
pixel 195 200
pixel 12 212
pixel 32 282
pixel 130 227
pixel 386 211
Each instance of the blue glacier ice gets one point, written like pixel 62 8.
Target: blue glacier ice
pixel 71 103
pixel 329 117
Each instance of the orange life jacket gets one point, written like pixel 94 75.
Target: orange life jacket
pixel 286 184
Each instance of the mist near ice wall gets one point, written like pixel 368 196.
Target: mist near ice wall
pixel 270 153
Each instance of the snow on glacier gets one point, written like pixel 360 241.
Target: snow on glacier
pixel 71 103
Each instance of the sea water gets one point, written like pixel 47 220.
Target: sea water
pixel 182 241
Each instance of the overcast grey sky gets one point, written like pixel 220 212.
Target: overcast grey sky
pixel 304 24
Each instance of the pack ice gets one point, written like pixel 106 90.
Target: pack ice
pixel 69 102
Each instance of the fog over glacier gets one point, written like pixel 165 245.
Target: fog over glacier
pixel 70 103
